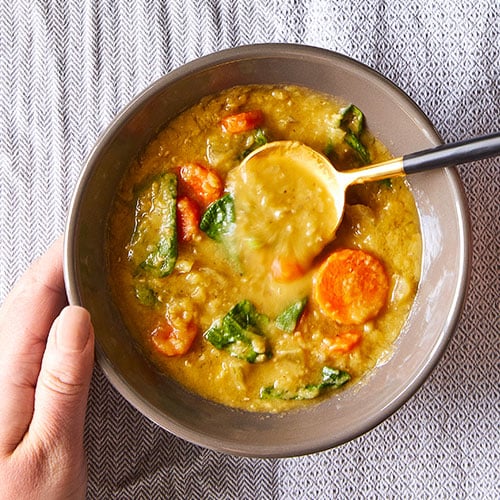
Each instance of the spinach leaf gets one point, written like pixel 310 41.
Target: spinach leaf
pixel 352 121
pixel 145 295
pixel 240 333
pixel 387 183
pixel 331 378
pixel 153 246
pixel 219 218
pixel 259 139
pixel 329 149
pixel 287 320
pixel 356 144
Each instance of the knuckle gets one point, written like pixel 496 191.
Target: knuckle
pixel 60 382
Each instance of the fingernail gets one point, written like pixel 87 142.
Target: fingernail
pixel 73 329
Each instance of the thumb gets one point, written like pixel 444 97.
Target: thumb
pixel 63 383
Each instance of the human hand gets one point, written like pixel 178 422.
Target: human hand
pixel 46 360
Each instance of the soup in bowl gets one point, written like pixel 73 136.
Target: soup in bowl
pixel 222 310
pixel 225 271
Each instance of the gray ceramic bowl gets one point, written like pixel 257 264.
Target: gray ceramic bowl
pixel 399 123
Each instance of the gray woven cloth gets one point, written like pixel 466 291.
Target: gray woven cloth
pixel 68 66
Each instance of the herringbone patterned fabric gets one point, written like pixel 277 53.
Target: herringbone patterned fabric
pixel 68 66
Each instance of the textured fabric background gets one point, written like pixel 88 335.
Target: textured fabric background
pixel 68 66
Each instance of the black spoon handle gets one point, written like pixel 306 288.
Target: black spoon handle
pixel 452 154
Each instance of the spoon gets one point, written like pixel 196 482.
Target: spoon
pixel 298 156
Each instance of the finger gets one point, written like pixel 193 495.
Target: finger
pixel 64 380
pixel 25 320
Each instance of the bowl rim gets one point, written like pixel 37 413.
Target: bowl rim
pixel 262 51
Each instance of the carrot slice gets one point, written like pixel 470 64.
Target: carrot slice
pixel 188 219
pixel 351 286
pixel 242 122
pixel 286 269
pixel 200 183
pixel 342 343
pixel 173 341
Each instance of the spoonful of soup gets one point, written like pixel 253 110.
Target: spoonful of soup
pixel 291 198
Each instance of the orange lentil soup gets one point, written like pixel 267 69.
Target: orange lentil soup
pixel 225 278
